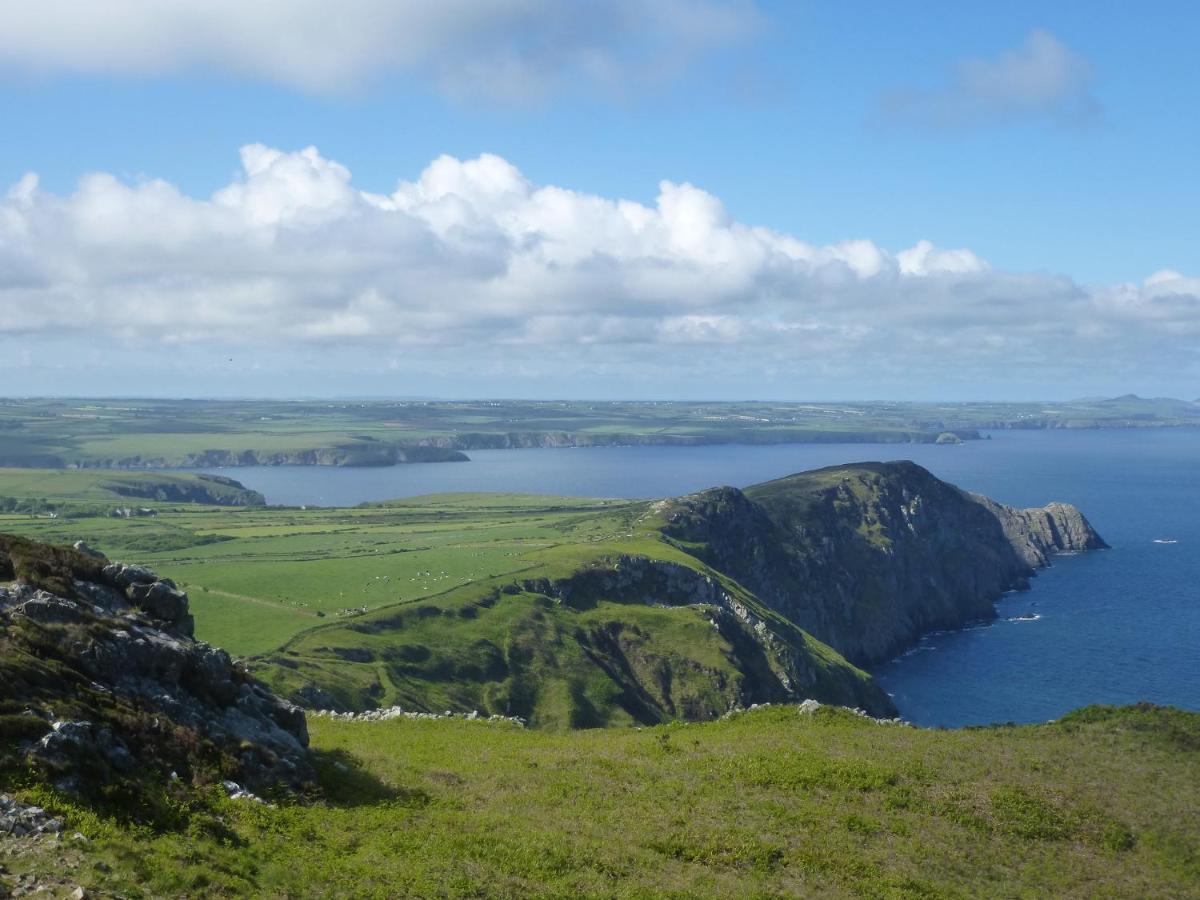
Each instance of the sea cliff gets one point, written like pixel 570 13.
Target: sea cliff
pixel 868 557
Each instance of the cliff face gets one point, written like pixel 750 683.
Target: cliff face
pixel 868 557
pixel 1038 534
pixel 103 689
pixel 214 489
pixel 473 440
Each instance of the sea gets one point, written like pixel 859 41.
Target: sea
pixel 1115 626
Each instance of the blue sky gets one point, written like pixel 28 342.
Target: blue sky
pixel 1063 158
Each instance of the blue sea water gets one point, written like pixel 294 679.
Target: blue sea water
pixel 1115 626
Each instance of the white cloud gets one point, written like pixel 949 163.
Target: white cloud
pixel 472 265
pixel 506 48
pixel 1040 79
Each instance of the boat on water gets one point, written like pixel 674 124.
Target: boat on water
pixel 1165 541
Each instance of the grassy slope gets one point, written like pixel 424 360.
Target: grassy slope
pixel 276 569
pixel 767 803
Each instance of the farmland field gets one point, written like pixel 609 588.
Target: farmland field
pixel 160 433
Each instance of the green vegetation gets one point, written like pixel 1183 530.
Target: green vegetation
pixel 467 606
pixel 578 613
pixel 161 433
pixel 766 803
pixel 448 602
pixel 93 492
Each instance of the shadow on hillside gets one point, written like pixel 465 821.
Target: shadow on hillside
pixel 344 782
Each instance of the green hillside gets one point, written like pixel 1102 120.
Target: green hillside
pixel 82 492
pixel 763 804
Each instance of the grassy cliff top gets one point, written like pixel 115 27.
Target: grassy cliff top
pixel 766 803
pixel 83 489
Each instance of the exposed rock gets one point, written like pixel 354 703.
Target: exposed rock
pixel 1038 534
pixel 122 640
pixel 160 600
pixel 212 489
pixel 19 820
pixel 158 597
pixel 123 576
pixel 49 609
pixel 396 712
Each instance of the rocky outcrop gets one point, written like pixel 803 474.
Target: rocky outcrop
pixel 102 682
pixel 1038 534
pixel 869 557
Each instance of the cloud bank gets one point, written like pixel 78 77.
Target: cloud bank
pixel 471 264
pixel 512 49
pixel 1041 79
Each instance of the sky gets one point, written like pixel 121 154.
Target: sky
pixel 695 199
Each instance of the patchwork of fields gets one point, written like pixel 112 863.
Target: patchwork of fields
pixel 178 433
pixel 259 576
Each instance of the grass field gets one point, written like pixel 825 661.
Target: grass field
pixel 272 571
pixel 764 804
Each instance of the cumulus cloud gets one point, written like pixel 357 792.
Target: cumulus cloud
pixel 508 48
pixel 472 264
pixel 1040 79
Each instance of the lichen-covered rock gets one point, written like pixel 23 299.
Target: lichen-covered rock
pixel 110 671
pixel 158 597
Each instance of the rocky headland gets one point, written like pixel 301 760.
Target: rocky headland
pixel 868 557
